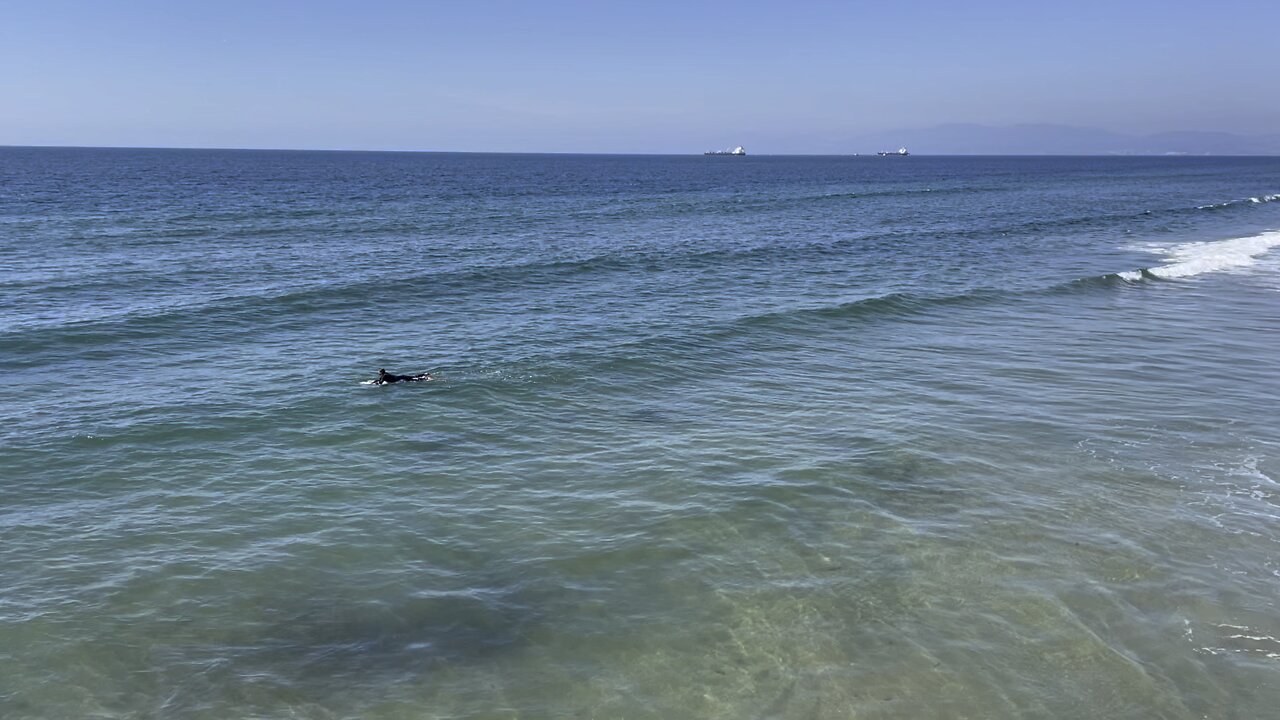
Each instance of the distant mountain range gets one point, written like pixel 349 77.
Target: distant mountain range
pixel 968 139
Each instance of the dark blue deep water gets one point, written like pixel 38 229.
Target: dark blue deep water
pixel 711 437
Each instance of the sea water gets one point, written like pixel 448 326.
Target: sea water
pixel 711 437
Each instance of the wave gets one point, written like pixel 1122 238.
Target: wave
pixel 900 192
pixel 270 311
pixel 890 305
pixel 1259 200
pixel 837 315
pixel 1189 259
pixel 1197 258
pixel 243 310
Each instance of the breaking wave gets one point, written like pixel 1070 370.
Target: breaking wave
pixel 1197 258
pixel 1260 199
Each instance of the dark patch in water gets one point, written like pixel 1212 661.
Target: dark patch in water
pixel 413 636
pixel 333 654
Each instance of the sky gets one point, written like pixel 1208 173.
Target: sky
pixel 658 76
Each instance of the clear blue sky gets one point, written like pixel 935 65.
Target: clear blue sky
pixel 659 76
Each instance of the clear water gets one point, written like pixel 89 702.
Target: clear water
pixel 758 437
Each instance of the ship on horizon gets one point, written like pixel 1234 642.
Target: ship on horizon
pixel 736 151
pixel 902 152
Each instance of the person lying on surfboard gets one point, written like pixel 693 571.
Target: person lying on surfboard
pixel 386 378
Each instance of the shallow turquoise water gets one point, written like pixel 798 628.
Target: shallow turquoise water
pixel 713 437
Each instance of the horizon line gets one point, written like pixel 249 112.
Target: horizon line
pixel 631 154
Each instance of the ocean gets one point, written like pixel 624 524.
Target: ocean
pixel 709 437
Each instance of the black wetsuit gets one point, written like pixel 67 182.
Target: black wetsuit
pixel 386 378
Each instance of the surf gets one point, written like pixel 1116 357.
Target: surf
pixel 1197 258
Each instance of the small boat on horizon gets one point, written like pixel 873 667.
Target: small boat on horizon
pixel 736 151
pixel 902 152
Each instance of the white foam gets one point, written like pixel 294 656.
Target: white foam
pixel 1255 200
pixel 1196 258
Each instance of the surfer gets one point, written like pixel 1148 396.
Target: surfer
pixel 386 378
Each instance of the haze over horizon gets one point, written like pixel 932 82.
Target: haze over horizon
pixel 822 77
